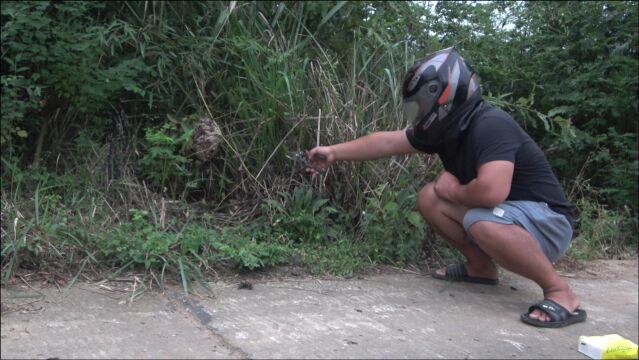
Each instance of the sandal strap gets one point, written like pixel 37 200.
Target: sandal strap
pixel 555 311
pixel 456 271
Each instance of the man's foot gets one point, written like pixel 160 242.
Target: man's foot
pixel 559 316
pixel 464 272
pixel 565 297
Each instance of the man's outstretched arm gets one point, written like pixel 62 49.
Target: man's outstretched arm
pixel 370 147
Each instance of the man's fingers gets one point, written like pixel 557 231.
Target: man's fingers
pixel 315 169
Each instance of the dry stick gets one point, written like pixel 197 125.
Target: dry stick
pixel 113 211
pixel 577 181
pixel 22 307
pixel 29 285
pixel 319 121
pixel 135 283
pixel 278 146
pixel 162 214
pixel 229 194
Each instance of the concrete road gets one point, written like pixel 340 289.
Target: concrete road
pixel 389 314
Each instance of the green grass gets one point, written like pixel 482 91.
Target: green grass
pixel 603 233
pixel 57 227
pixel 83 231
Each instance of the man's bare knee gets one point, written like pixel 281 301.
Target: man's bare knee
pixel 485 232
pixel 482 231
pixel 427 200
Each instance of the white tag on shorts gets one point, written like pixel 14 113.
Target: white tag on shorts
pixel 499 212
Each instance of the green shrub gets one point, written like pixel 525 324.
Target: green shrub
pixel 391 228
pixel 251 247
pixel 61 56
pixel 163 162
pixel 139 241
pixel 301 217
pixel 342 258
pixel 14 108
pixel 607 159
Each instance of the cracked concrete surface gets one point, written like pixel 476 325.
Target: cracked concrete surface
pixel 392 314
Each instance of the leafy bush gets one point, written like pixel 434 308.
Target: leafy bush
pixel 59 56
pixel 342 258
pixel 14 107
pixel 302 217
pixel 607 159
pixel 139 242
pixel 251 247
pixel 163 162
pixel 391 228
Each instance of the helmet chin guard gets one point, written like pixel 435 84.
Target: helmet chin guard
pixel 437 90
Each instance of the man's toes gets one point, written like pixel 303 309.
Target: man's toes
pixel 539 315
pixel 534 314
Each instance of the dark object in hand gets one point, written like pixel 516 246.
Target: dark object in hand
pixel 301 161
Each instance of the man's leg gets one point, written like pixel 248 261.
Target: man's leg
pixel 509 245
pixel 447 219
pixel 512 247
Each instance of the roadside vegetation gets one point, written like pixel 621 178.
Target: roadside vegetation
pixel 154 135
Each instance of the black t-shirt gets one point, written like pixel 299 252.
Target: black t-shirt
pixel 494 135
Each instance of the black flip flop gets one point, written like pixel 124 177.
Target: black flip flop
pixel 559 315
pixel 457 272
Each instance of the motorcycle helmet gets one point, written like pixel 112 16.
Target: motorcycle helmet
pixel 437 91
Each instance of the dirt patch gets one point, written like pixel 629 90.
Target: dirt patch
pixel 612 270
pixel 599 269
pixel 129 283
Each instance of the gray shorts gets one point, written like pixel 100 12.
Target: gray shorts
pixel 551 229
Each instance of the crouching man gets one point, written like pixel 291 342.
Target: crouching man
pixel 497 200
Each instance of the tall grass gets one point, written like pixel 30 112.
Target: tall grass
pixel 271 83
pixel 273 87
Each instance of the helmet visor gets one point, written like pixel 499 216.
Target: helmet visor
pixel 422 103
pixel 411 110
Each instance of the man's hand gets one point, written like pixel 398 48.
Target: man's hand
pixel 445 185
pixel 320 159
